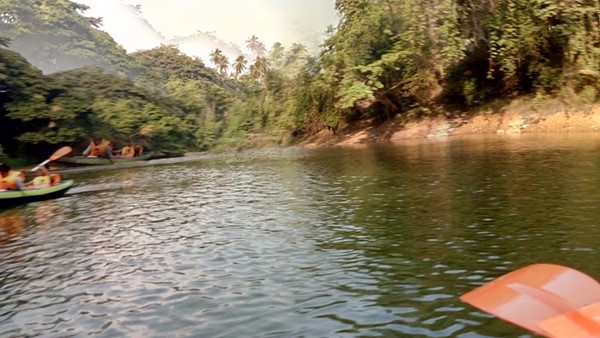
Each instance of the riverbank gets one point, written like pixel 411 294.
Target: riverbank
pixel 518 116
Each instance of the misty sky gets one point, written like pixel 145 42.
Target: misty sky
pixel 284 21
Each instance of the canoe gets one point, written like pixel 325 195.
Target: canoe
pixel 9 198
pixel 103 160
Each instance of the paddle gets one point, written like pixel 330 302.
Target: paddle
pixel 57 154
pixel 540 298
pixel 580 323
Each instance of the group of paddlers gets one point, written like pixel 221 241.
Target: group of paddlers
pixel 105 149
pixel 15 179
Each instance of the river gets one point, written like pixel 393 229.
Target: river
pixel 372 241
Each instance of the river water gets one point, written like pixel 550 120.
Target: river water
pixel 374 241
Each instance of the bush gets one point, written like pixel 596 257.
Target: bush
pixel 589 94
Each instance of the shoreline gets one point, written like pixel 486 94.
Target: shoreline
pixel 515 118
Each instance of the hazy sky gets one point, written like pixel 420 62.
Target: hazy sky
pixel 233 21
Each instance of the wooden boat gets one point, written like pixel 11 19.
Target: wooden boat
pixel 9 198
pixel 103 160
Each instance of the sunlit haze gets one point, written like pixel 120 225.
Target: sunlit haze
pixel 231 21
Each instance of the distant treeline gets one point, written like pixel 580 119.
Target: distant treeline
pixel 384 59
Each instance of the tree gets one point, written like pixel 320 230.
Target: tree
pixel 55 35
pixel 220 61
pixel 239 65
pixel 256 47
pixel 259 68
pixel 352 52
pixel 276 52
pixel 216 56
pixel 167 61
pixel 223 65
pixel 22 89
pixel 252 43
pixel 295 58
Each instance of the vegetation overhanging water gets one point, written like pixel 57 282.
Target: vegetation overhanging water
pixel 64 81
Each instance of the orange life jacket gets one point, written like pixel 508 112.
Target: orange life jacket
pixel 127 151
pixel 93 150
pixel 55 178
pixel 10 181
pixel 101 148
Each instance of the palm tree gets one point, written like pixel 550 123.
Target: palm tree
pixel 256 47
pixel 298 48
pixel 220 61
pixel 223 65
pixel 253 72
pixel 296 52
pixel 276 51
pixel 260 49
pixel 239 65
pixel 312 66
pixel 259 68
pixel 216 56
pixel 251 43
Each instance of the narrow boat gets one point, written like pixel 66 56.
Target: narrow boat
pixel 9 198
pixel 103 160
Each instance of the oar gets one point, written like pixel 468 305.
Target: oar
pixel 529 296
pixel 580 323
pixel 57 154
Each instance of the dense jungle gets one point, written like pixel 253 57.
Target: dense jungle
pixel 64 81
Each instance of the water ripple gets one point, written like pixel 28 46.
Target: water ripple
pixel 344 243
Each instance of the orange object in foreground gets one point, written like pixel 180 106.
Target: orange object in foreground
pixel 547 299
pixel 582 323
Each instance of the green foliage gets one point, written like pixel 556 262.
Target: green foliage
pixel 352 91
pixel 190 94
pixel 470 92
pixel 54 36
pixel 86 103
pixel 116 115
pixel 220 61
pixel 239 65
pixel 22 89
pixel 167 61
pixel 199 92
pixel 382 58
pixel 207 137
pixel 387 55
pixel 589 93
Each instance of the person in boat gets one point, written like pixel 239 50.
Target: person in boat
pixel 131 151
pixel 103 149
pixel 44 179
pixel 127 151
pixel 11 179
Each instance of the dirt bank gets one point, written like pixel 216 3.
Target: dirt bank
pixel 515 117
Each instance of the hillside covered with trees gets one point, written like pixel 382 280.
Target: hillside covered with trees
pixel 63 80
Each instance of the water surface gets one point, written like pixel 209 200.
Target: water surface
pixel 376 241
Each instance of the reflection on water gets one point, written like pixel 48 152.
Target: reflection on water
pixel 377 241
pixel 11 224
